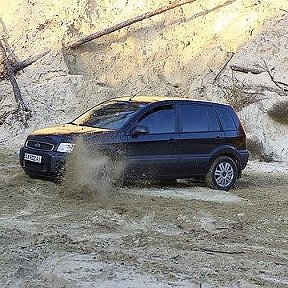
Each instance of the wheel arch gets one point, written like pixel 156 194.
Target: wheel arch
pixel 115 152
pixel 228 151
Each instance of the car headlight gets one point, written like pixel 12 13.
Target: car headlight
pixel 65 147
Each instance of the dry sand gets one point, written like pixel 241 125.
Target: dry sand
pixel 184 235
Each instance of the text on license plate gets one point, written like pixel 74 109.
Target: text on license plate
pixel 32 157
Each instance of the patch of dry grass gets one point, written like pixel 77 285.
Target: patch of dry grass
pixel 239 99
pixel 239 95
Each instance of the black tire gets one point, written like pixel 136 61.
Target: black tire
pixel 222 174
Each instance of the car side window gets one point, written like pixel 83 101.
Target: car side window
pixel 193 118
pixel 160 119
pixel 213 120
pixel 226 119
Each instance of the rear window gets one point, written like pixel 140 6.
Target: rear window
pixel 226 119
pixel 213 120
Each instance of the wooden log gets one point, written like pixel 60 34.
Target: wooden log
pixel 126 23
pixel 252 70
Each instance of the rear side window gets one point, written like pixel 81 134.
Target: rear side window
pixel 160 119
pixel 226 119
pixel 193 118
pixel 213 120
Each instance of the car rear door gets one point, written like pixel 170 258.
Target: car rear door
pixel 155 153
pixel 200 133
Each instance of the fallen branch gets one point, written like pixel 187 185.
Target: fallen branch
pixel 23 110
pixel 282 83
pixel 224 67
pixel 21 65
pixel 126 23
pixel 9 52
pixel 12 79
pixel 8 59
pixel 252 70
pixel 272 77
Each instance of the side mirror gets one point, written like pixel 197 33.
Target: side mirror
pixel 140 129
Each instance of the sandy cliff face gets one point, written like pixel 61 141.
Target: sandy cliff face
pixel 182 52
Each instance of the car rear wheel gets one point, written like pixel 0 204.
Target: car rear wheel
pixel 222 174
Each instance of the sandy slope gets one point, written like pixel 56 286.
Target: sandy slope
pixel 182 52
pixel 183 235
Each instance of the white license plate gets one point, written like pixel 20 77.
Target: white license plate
pixel 32 157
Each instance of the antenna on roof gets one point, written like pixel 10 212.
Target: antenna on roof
pixel 137 93
pixel 132 96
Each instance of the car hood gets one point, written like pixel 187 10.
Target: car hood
pixel 67 129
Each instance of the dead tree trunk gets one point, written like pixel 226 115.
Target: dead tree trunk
pixel 8 60
pixel 15 86
pixel 23 110
pixel 126 23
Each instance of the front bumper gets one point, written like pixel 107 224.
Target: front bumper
pixel 51 165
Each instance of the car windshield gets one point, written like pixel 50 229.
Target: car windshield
pixel 109 115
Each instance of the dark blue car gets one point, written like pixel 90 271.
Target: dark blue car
pixel 156 137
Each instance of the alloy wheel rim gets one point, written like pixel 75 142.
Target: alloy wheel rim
pixel 224 174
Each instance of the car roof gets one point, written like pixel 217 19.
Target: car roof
pixel 148 99
pixel 153 99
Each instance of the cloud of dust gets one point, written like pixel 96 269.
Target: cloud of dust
pixel 90 174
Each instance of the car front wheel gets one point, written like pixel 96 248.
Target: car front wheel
pixel 222 174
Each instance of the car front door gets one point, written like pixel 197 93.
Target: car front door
pixel 154 152
pixel 200 133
